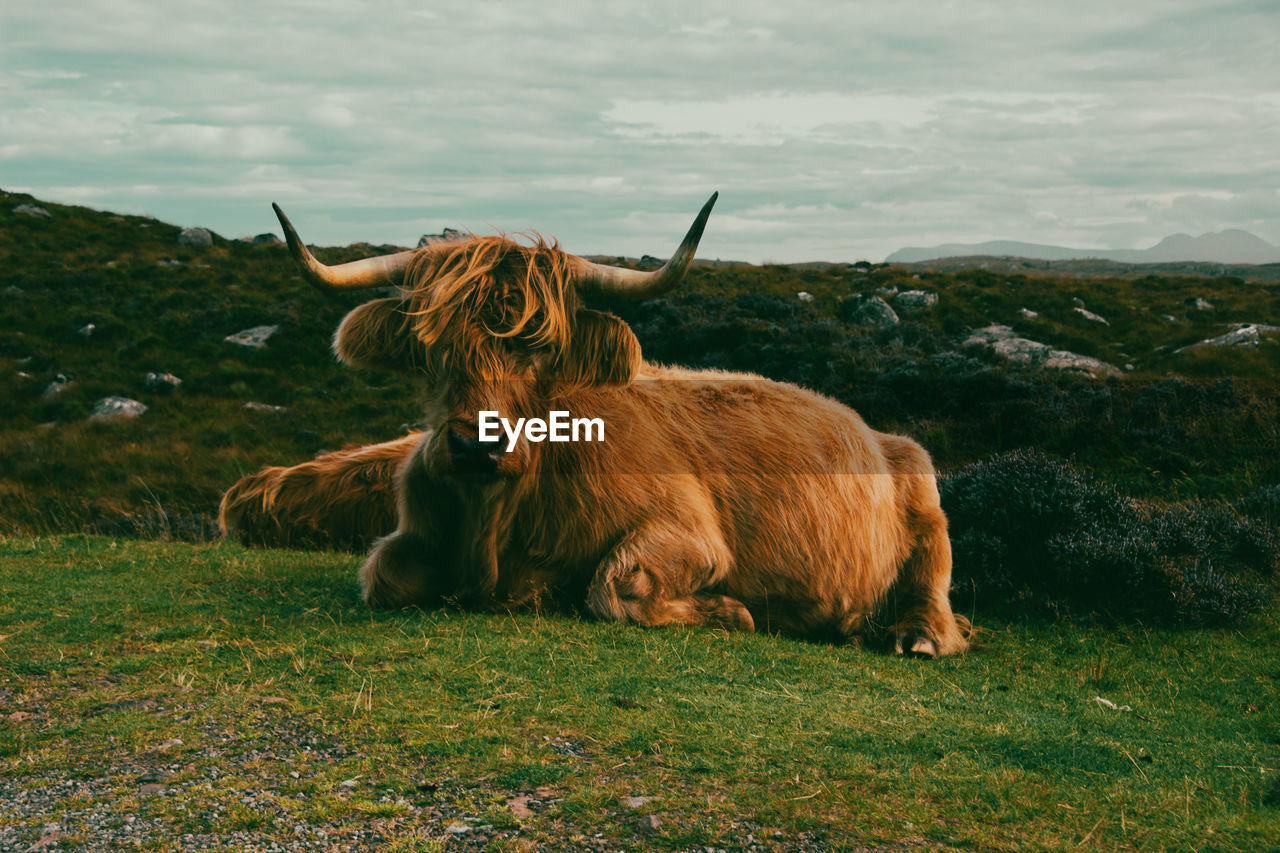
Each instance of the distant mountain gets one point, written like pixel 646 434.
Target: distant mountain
pixel 1232 246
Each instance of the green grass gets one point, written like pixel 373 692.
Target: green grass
pixel 281 686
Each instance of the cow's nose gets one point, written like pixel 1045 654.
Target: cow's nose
pixel 469 455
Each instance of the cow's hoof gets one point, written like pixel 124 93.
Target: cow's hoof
pixel 908 643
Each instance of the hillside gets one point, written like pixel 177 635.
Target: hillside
pixel 94 302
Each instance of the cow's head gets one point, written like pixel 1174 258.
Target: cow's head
pixel 492 324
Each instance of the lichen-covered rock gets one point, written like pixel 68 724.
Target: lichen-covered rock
pixel 110 408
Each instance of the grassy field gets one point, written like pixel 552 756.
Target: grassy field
pixel 206 696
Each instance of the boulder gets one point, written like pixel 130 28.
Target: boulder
pixel 86 330
pixel 868 310
pixel 196 237
pixel 1200 304
pixel 255 338
pixel 110 408
pixel 31 210
pixel 915 300
pixel 804 296
pixel 267 239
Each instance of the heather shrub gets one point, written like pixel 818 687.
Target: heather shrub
pixel 1033 533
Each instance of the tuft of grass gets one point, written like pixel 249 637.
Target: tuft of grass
pixel 296 707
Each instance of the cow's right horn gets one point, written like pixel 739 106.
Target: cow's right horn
pixel 379 271
pixel 603 278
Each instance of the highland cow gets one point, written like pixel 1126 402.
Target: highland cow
pixel 718 499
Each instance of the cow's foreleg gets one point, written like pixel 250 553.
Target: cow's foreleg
pixel 665 577
pixel 407 567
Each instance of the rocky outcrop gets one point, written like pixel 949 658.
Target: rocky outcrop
pixel 1026 351
pixel 1241 335
pixel 32 210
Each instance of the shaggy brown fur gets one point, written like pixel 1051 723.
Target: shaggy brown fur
pixel 717 498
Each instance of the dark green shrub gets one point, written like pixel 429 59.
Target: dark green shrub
pixel 1030 532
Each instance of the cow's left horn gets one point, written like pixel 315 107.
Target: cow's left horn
pixel 379 271
pixel 602 278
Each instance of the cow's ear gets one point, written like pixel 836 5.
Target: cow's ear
pixel 602 350
pixel 379 335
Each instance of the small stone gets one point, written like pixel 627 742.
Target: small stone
pixel 1201 304
pixel 110 408
pixel 196 237
pixel 636 802
pixel 264 407
pixel 348 784
pixel 161 382
pixel 648 825
pixel 804 296
pixel 519 807
pixel 1089 315
pixel 255 337
pixel 151 790
pixel 1028 314
pixel 60 383
pixel 170 743
pixel 457 827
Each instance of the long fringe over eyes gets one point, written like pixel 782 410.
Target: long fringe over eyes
pixel 491 287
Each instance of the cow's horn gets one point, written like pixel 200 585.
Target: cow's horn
pixel 602 278
pixel 379 271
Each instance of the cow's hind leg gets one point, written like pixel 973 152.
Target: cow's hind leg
pixel 664 578
pixel 918 608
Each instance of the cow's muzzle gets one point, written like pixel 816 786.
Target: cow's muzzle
pixel 469 457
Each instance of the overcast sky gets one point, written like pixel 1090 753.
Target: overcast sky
pixel 833 131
